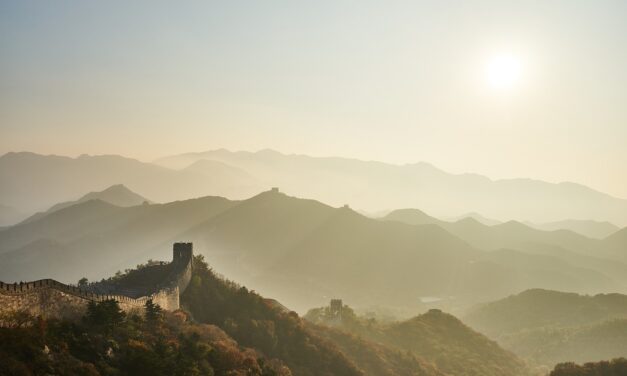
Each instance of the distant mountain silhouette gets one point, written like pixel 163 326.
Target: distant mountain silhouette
pixel 95 238
pixel 510 234
pixel 617 242
pixel 38 181
pixel 299 251
pixel 117 195
pixel 413 217
pixel 574 248
pixel 591 229
pixel 215 169
pixel 374 186
pixel 479 218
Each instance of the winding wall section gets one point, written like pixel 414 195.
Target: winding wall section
pixel 50 298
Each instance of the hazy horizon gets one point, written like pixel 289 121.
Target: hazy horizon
pixel 153 160
pixel 531 90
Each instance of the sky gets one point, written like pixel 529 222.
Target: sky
pixel 394 81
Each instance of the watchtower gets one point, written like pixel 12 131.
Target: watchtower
pixel 182 253
pixel 335 308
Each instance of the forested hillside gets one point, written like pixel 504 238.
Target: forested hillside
pixel 548 327
pixel 435 337
pixel 108 342
pixel 615 367
pixel 254 322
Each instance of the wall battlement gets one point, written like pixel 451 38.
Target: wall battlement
pixel 50 298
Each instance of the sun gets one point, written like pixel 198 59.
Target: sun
pixel 503 71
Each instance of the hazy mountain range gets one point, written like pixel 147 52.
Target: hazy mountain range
pixel 117 195
pixel 375 186
pixel 303 251
pixel 32 182
pixel 591 229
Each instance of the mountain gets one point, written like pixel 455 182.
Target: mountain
pixel 375 358
pixel 117 195
pixel 548 327
pixel 585 343
pixel 479 218
pixel 617 242
pixel 95 238
pixel 591 229
pixel 36 182
pixel 33 182
pixel 222 170
pixel 413 217
pixel 575 249
pixel 300 251
pixel 222 329
pixel 252 322
pixel 373 186
pixel 435 336
pixel 511 234
pixel 539 308
pixel 455 348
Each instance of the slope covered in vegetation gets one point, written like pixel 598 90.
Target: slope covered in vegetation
pixel 254 322
pixel 107 342
pixel 375 358
pixel 435 337
pixel 615 367
pixel 584 343
pixel 548 327
pixel 539 308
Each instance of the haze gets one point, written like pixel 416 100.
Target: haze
pixel 290 188
pixel 401 82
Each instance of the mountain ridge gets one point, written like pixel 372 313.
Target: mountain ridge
pixel 118 195
pixel 424 186
pixel 299 250
pixel 367 185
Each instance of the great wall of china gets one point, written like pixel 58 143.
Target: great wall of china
pixel 50 298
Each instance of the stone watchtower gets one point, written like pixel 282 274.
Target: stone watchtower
pixel 335 308
pixel 182 253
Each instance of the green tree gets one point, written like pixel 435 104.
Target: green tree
pixel 154 312
pixel 104 315
pixel 83 282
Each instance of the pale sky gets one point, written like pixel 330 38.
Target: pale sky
pixel 395 81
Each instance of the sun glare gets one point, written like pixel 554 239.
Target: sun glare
pixel 503 71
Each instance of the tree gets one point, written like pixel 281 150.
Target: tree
pixel 106 314
pixel 153 311
pixel 83 282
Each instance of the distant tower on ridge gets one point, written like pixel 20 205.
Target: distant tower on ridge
pixel 335 308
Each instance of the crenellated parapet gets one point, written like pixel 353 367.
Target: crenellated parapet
pixel 50 298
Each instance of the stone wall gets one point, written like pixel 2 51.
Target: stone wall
pixel 50 298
